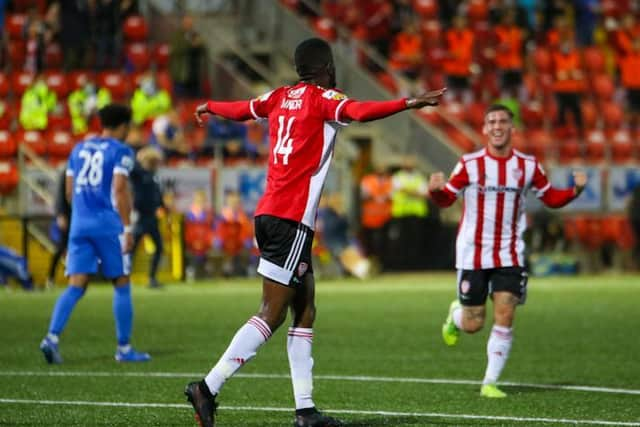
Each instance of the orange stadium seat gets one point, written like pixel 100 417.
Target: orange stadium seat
pixel 603 87
pixel 430 116
pixel 613 115
pixel 426 8
pixel 34 140
pixel 596 146
pixel 474 115
pixel 594 60
pixel 477 10
pixel 388 81
pixel 53 56
pixel 135 28
pixel 621 146
pixel 542 60
pixel 20 81
pixel 9 177
pixel 60 144
pixel 138 55
pixel 116 82
pixel 8 146
pixel 569 150
pixel 538 142
pixel 57 82
pixel 460 140
pixel 589 113
pixel 532 115
pixel 4 85
pixel 15 26
pixel 161 55
pixel 16 51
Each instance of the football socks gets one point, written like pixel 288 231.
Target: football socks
pixel 299 343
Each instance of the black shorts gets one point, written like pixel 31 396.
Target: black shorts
pixel 633 100
pixel 511 78
pixel 475 285
pixel 285 249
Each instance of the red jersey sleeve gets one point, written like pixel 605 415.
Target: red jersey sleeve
pixel 331 105
pixel 552 197
pixel 261 106
pixel 458 180
pixel 540 182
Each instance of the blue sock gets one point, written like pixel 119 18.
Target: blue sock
pixel 123 313
pixel 63 308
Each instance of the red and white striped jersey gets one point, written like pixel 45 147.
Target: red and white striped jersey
pixel 493 219
pixel 303 123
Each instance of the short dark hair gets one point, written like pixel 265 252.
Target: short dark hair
pixel 312 56
pixel 499 107
pixel 114 115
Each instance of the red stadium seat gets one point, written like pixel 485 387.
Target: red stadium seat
pixel 53 56
pixel 427 9
pixel 116 82
pixel 532 115
pixel 589 113
pixel 16 51
pixel 434 58
pixel 135 28
pixel 613 115
pixel 431 32
pixel 455 110
pixel 60 118
pixel 60 144
pixel 325 28
pixel 57 82
pixel 615 8
pixel 474 114
pixel 603 87
pixel 596 146
pixel 542 60
pixel 9 177
pixel 164 81
pixel 8 146
pixel 477 10
pixel 20 81
pixel 388 81
pixel 138 55
pixel 76 78
pixel 538 142
pixel 460 140
pixel 7 113
pixel 34 140
pixel 594 60
pixel 430 115
pixel 4 85
pixel 161 55
pixel 569 151
pixel 15 26
pixel 621 146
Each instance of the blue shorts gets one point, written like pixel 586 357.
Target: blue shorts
pixel 84 253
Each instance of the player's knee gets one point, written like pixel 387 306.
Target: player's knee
pixel 474 325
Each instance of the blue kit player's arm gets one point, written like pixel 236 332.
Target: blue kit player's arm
pixel 122 193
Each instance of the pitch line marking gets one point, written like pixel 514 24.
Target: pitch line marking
pixel 592 389
pixel 334 411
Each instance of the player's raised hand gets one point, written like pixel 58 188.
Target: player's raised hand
pixel 431 99
pixel 437 181
pixel 580 180
pixel 200 111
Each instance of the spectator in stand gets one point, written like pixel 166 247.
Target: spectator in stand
pixel 198 233
pixel 257 145
pixel 36 35
pixel 551 10
pixel 509 53
pixel 219 132
pixel 561 30
pixel 459 42
pixel 406 50
pixel 186 60
pixel 629 64
pixel 234 151
pixel 15 266
pixel 568 83
pixel 167 135
pixel 75 32
pixel 375 210
pixel 84 103
pixel 149 101
pixel 61 225
pixel 38 101
pixel 586 18
pixel 147 201
pixel 623 37
pixel 233 233
pixel 106 31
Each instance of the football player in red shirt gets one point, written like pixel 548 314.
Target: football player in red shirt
pixel 303 122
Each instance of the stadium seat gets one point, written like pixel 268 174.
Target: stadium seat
pixel 434 58
pixel 596 146
pixel 20 81
pixel 60 117
pixel 75 78
pixel 570 151
pixel 53 56
pixel 387 81
pixel 14 24
pixel 603 87
pixel 60 144
pixel 161 55
pixel 474 115
pixel 430 116
pixel 4 85
pixel 9 177
pixel 455 110
pixel 325 28
pixel 116 82
pixel 460 139
pixel 164 81
pixel 532 115
pixel 589 113
pixel 138 55
pixel 613 115
pixel 7 114
pixel 431 32
pixel 618 230
pixel 621 146
pixel 477 10
pixel 16 51
pixel 135 28
pixel 8 146
pixel 542 60
pixel 57 82
pixel 427 9
pixel 615 8
pixel 538 142
pixel 594 60
pixel 34 140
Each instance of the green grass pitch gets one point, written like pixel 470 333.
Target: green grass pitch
pixel 377 352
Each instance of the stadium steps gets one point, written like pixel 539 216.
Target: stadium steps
pixel 39 257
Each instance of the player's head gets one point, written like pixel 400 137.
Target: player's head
pixel 115 119
pixel 498 125
pixel 314 62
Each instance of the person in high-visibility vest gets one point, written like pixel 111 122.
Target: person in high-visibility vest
pixel 85 102
pixel 149 101
pixel 375 209
pixel 629 65
pixel 36 104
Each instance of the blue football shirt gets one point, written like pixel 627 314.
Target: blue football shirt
pixel 93 164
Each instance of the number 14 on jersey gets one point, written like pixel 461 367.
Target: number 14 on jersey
pixel 284 144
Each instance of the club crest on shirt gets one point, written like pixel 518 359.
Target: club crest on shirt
pixel 465 286
pixel 334 95
pixel 302 268
pixel 296 93
pixel 517 174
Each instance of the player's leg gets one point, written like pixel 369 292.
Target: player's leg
pixel 81 261
pixel 467 313
pixel 154 232
pixel 509 290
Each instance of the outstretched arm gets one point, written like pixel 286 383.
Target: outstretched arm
pixel 557 198
pixel 364 111
pixel 232 110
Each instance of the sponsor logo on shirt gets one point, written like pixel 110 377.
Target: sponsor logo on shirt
pixel 497 189
pixel 291 104
pixel 296 93
pixel 517 174
pixel 334 95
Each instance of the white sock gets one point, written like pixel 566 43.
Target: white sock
pixel 53 338
pixel 498 348
pixel 242 348
pixel 299 344
pixel 124 348
pixel 457 317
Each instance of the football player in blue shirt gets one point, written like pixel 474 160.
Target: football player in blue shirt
pixel 97 185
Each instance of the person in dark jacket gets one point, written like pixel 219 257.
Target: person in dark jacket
pixel 60 228
pixel 147 199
